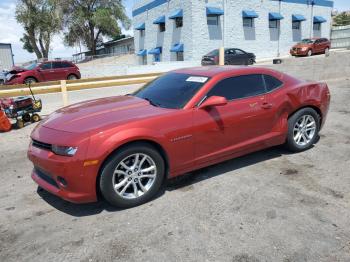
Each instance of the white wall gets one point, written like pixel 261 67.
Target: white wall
pixel 199 38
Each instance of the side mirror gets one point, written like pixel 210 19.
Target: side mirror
pixel 213 101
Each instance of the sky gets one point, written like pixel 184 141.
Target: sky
pixel 11 31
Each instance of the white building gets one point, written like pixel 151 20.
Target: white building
pixel 172 30
pixel 6 57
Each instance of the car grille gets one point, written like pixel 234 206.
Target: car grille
pixel 45 177
pixel 41 145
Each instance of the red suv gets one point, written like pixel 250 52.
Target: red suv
pixel 43 72
pixel 308 47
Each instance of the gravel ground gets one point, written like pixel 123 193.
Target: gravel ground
pixel 266 206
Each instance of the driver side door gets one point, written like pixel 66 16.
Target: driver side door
pixel 240 124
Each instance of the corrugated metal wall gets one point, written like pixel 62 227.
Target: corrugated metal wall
pixel 340 36
pixel 6 59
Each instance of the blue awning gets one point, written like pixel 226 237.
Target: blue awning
pixel 249 14
pixel 214 11
pixel 140 27
pixel 176 14
pixel 155 51
pixel 319 19
pixel 177 48
pixel 298 18
pixel 275 16
pixel 142 52
pixel 159 20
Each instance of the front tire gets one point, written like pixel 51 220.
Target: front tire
pixel 303 128
pixel 30 80
pixel 309 53
pixel 132 176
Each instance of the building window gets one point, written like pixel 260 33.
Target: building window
pixel 296 25
pixel 317 26
pixel 142 33
pixel 161 27
pixel 248 22
pixel 213 20
pixel 273 23
pixel 178 22
pixel 180 56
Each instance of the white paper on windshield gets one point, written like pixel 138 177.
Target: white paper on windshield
pixel 197 79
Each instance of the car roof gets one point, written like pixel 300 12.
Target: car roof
pixel 211 71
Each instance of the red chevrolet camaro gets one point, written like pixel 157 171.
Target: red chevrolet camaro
pixel 124 147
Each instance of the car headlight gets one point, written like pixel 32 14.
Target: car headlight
pixel 304 49
pixel 64 150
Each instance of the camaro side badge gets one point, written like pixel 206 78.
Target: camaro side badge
pixel 176 139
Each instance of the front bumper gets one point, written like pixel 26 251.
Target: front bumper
pixel 298 52
pixel 50 170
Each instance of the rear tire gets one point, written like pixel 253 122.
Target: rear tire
pixel 19 124
pixel 303 128
pixel 30 80
pixel 326 51
pixel 35 118
pixel 250 61
pixel 72 77
pixel 125 181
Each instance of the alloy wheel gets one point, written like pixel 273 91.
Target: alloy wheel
pixel 134 176
pixel 304 130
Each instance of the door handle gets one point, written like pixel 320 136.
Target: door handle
pixel 266 105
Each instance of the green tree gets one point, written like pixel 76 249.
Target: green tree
pixel 40 20
pixel 87 21
pixel 342 19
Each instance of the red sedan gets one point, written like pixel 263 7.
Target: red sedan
pixel 43 72
pixel 124 147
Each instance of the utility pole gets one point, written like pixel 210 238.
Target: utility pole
pixel 279 29
pixel 222 49
pixel 312 18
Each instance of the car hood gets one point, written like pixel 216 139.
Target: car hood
pixel 16 70
pixel 101 113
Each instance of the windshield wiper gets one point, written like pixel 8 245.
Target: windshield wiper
pixel 151 102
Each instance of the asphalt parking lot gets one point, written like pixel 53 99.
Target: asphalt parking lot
pixel 266 206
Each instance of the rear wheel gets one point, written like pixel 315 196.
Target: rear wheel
pixel 251 61
pixel 26 117
pixel 72 77
pixel 303 129
pixel 35 118
pixel 30 80
pixel 132 176
pixel 326 51
pixel 19 124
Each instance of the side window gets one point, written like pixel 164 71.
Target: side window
pixel 66 65
pixel 230 52
pixel 56 65
pixel 272 83
pixel 46 66
pixel 239 52
pixel 239 87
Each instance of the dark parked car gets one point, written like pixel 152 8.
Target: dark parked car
pixel 233 56
pixel 43 72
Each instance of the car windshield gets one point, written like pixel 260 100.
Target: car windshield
pixel 172 90
pixel 30 66
pixel 306 41
pixel 213 53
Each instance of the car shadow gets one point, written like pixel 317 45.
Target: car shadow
pixel 81 210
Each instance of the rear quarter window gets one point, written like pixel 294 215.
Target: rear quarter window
pixel 272 83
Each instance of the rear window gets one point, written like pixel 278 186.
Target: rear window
pixel 272 83
pixel 66 65
pixel 172 90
